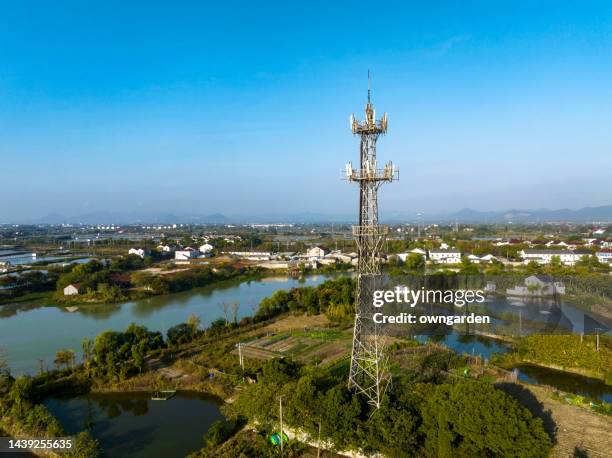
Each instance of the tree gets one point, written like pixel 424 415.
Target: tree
pixel 194 322
pixel 415 261
pixel 65 358
pixel 225 307
pixel 181 333
pixel 476 419
pixel 235 307
pixel 87 347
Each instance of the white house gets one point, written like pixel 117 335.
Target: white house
pixel 140 252
pixel 206 248
pixel 449 256
pixel 487 258
pixel 166 248
pixel 337 256
pixel 404 256
pixel 186 254
pixel 537 285
pixel 567 257
pixel 72 289
pixel 605 257
pixel 252 255
pixel 315 253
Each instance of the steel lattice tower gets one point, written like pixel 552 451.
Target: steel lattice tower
pixel 369 373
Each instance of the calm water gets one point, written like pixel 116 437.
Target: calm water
pixel 131 425
pixel 485 347
pixel 469 344
pixel 32 332
pixel 571 383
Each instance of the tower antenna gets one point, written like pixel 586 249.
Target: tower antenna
pixel 369 373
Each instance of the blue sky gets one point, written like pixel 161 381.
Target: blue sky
pixel 242 107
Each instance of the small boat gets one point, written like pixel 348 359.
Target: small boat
pixel 162 395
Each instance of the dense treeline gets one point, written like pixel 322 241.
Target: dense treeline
pixel 123 278
pixel 189 278
pixel 116 355
pixel 467 418
pixel 17 284
pixel 335 298
pixel 94 273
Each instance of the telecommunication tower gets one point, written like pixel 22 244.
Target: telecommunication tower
pixel 369 373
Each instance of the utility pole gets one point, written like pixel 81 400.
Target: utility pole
pixel 280 401
pixel 319 440
pixel 241 359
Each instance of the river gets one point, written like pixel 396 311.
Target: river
pixel 37 332
pixel 32 332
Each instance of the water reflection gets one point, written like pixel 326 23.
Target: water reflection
pixel 131 425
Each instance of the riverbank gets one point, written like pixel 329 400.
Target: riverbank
pixel 576 431
pixel 33 332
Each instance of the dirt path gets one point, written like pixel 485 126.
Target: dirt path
pixel 577 431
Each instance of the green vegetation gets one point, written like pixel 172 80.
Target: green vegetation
pixel 117 355
pixel 567 352
pixel 335 298
pixel 20 412
pixel 467 418
pixel 124 279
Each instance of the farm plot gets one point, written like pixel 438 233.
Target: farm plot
pixel 318 346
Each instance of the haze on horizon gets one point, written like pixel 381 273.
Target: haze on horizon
pixel 243 107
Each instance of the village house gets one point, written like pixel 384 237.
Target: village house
pixel 140 252
pixel 252 255
pixel 537 286
pixel 206 248
pixel 72 289
pixel 315 253
pixel 486 259
pixel 166 248
pixel 186 254
pixel 544 256
pixel 404 256
pixel 605 257
pixel 448 256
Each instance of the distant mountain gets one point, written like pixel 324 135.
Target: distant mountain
pixel 600 214
pixel 465 215
pixel 104 217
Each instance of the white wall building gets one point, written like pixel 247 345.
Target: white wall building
pixel 486 259
pixel 252 255
pixel 72 289
pixel 315 253
pixel 605 257
pixel 449 256
pixel 537 285
pixel 166 248
pixel 206 248
pixel 404 256
pixel 186 254
pixel 567 257
pixel 140 252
